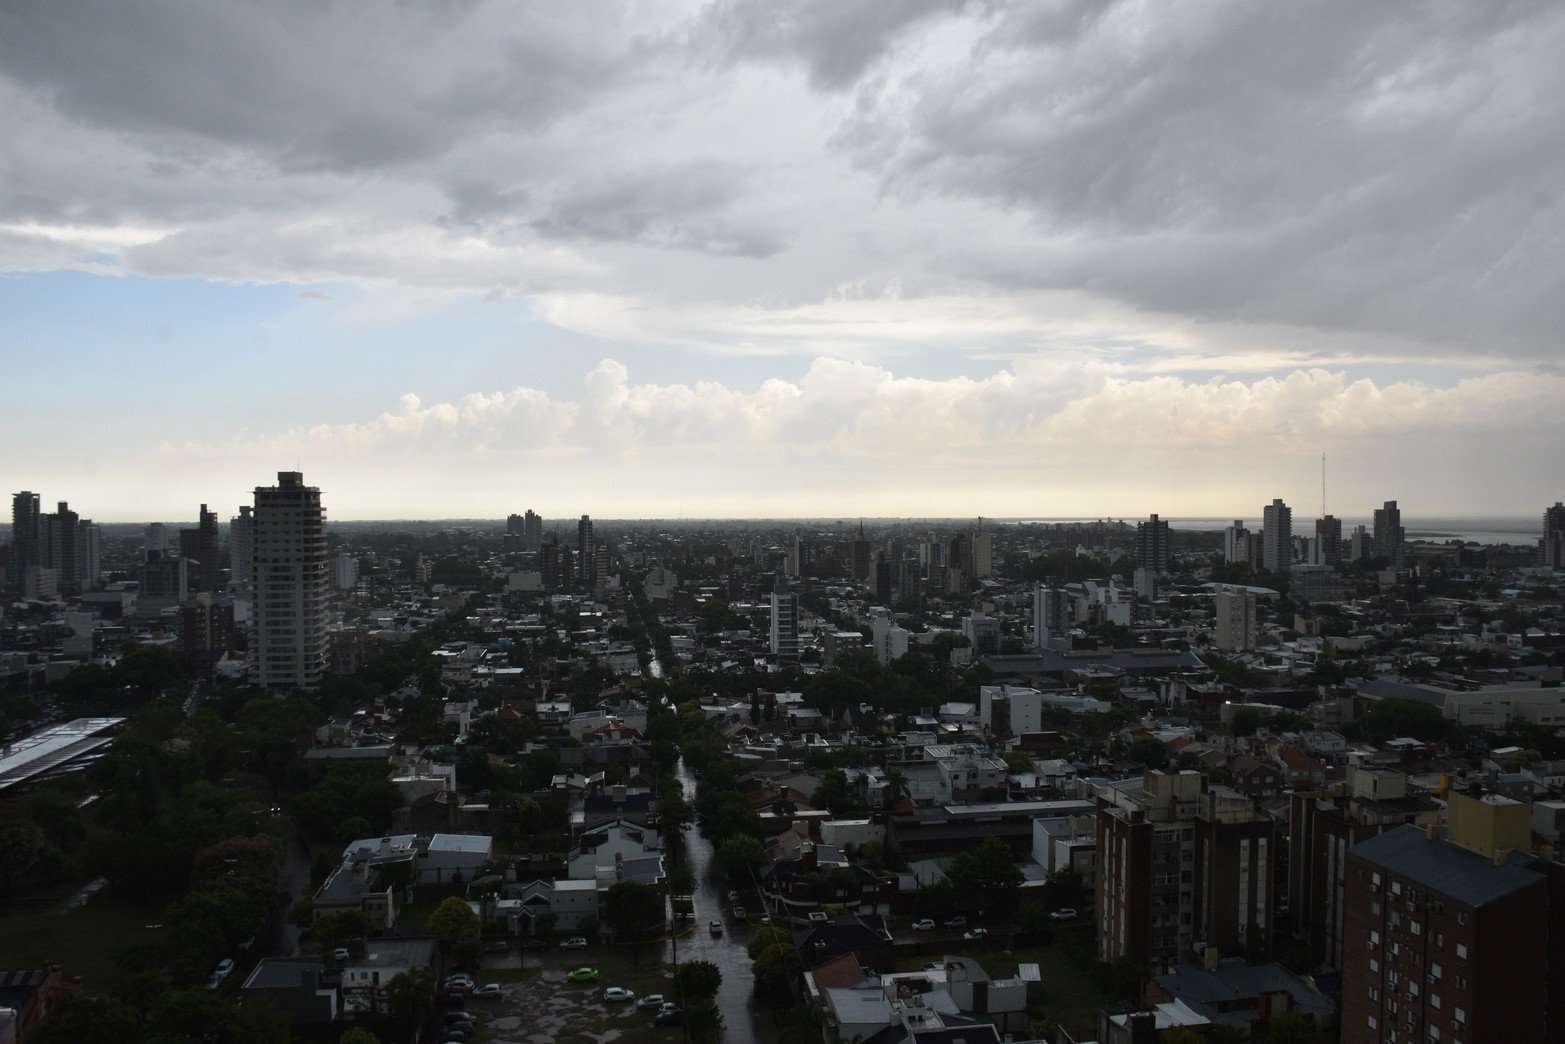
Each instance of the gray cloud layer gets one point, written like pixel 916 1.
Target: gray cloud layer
pixel 1383 170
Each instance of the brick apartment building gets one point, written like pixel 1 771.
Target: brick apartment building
pixel 1322 826
pixel 1180 862
pixel 1457 939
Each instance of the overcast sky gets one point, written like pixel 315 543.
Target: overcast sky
pixel 757 258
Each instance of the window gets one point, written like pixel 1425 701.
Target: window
pixel 1461 917
pixel 1461 1016
pixel 1461 951
pixel 1370 1019
pixel 1434 973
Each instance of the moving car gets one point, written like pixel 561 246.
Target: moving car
pixel 575 942
pixel 1064 914
pixel 652 1001
pixel 924 925
pixel 617 993
pixel 582 974
pixel 489 991
pixel 716 927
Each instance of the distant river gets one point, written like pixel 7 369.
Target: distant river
pixel 1476 530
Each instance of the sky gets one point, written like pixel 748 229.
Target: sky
pixel 747 259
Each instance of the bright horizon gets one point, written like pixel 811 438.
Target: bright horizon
pixel 680 259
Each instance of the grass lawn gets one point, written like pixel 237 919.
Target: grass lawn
pixel 86 941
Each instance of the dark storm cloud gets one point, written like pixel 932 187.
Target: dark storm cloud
pixel 310 83
pixel 1342 165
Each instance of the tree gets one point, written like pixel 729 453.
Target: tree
pixel 1017 761
pixel 987 874
pixel 764 938
pixel 837 795
pixel 453 922
pixel 696 980
pixel 739 855
pixel 775 968
pixel 633 910
pixel 358 1035
pixel 1148 751
pixel 411 995
pixel 1180 1035
pixel 332 930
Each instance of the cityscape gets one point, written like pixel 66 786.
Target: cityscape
pixel 807 522
pixel 778 780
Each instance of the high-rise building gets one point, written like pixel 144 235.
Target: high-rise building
pixel 785 626
pixel 241 545
pixel 1322 826
pixel 164 582
pixel 1554 536
pixel 882 578
pixel 862 560
pixel 1360 544
pixel 983 555
pixel 1183 861
pixel 889 640
pixel 288 641
pixel 344 571
pixel 1453 938
pixel 1152 544
pixel 585 560
pixel 203 548
pixel 92 554
pixel 1277 537
pixel 801 562
pixel 1236 543
pixel 1389 534
pixel 156 538
pixel 61 547
pixel 1050 615
pixel 1237 629
pixel 1328 533
pixel 982 632
pixel 532 530
pixel 26 538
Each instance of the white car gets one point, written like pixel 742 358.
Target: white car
pixel 616 993
pixel 925 925
pixel 1065 914
pixel 574 943
pixel 976 933
pixel 489 991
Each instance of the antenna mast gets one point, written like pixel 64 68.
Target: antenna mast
pixel 1323 485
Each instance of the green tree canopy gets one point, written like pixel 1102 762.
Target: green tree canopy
pixel 452 921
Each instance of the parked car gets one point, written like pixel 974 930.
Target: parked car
pixel 1063 914
pixel 716 927
pixel 456 1034
pixel 460 980
pixel 651 1002
pixel 739 912
pixel 733 896
pixel 215 981
pixel 618 994
pixel 489 991
pixel 575 942
pixel 956 922
pixel 582 974
pixel 454 991
pixel 976 933
pixel 452 1018
pixel 669 1017
pixel 225 966
pixel 924 925
pixel 340 954
pixel 498 946
pixel 533 944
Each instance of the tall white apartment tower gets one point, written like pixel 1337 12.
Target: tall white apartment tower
pixel 785 626
pixel 290 577
pixel 1277 537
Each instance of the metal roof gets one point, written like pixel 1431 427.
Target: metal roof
pixel 54 750
pixel 1443 867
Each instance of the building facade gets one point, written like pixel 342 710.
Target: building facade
pixel 288 641
pixel 1277 537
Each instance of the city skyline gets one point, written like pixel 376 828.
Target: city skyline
pixel 731 261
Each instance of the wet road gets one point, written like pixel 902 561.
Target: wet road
pixel 744 1016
